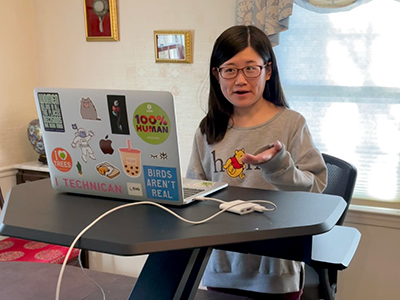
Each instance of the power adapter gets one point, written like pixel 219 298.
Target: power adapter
pixel 240 207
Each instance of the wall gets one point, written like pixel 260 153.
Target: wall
pixel 18 76
pixel 373 272
pixel 43 43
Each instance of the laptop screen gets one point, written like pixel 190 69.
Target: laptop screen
pixel 114 143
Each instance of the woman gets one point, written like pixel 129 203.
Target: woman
pixel 248 113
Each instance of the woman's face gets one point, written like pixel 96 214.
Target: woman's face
pixel 243 91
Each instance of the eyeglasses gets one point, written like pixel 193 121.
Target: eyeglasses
pixel 248 71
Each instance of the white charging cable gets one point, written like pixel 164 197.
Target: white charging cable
pixel 90 278
pixel 227 207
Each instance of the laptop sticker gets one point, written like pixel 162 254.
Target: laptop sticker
pixel 88 110
pixel 200 184
pixel 50 108
pixel 151 123
pixel 79 168
pixel 80 185
pixel 134 189
pixel 131 160
pixel 117 113
pixel 161 183
pixel 81 140
pixel 107 170
pixel 105 146
pixel 61 159
pixel 162 155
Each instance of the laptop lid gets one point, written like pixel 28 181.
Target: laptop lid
pixel 114 143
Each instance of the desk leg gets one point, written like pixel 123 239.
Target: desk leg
pixel 171 275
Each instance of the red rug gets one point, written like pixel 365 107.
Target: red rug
pixel 13 249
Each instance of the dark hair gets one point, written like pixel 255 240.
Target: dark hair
pixel 232 41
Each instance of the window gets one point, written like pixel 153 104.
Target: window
pixel 342 72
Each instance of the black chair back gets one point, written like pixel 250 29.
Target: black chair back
pixel 341 182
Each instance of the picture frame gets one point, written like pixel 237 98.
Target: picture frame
pixel 101 20
pixel 173 46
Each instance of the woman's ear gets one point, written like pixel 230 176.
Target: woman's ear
pixel 268 70
pixel 215 73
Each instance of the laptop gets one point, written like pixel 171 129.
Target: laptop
pixel 115 143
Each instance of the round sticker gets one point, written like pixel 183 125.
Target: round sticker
pixel 61 159
pixel 151 123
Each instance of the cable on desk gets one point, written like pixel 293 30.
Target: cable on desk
pixel 159 206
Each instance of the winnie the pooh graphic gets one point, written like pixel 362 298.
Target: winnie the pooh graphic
pixel 233 167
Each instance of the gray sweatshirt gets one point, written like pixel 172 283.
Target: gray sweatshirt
pixel 299 166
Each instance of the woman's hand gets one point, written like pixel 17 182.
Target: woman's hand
pixel 263 156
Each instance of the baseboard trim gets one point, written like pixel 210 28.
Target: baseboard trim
pixel 7 172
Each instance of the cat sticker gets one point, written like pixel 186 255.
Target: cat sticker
pixel 88 110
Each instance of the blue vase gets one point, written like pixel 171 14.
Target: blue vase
pixel 36 139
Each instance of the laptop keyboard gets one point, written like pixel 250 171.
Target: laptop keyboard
pixel 188 192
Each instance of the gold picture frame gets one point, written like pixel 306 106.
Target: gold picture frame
pixel 173 46
pixel 101 20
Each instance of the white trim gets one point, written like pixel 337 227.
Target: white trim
pixel 7 179
pixel 7 171
pixel 33 166
pixel 376 216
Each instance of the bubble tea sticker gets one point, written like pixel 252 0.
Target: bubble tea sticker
pixel 130 159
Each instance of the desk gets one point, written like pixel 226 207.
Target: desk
pixel 178 251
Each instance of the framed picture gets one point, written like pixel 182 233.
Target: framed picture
pixel 101 20
pixel 173 46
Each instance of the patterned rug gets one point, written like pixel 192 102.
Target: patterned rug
pixel 13 249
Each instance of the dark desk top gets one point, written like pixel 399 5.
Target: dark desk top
pixel 35 211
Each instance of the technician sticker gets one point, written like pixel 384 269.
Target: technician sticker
pixel 151 123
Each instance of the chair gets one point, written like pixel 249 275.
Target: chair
pixel 14 249
pixel 321 283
